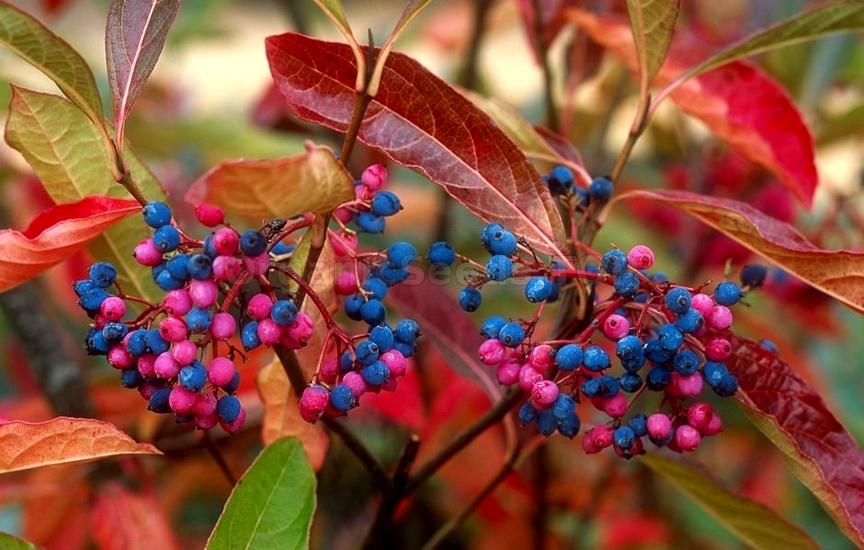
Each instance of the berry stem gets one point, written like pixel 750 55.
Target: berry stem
pixel 214 451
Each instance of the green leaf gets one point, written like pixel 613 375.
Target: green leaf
pixel 35 44
pixel 8 542
pixel 653 23
pixel 271 507
pixel 831 19
pixel 411 11
pixel 336 12
pixel 66 153
pixel 754 523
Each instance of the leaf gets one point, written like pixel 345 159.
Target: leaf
pixel 819 450
pixel 313 181
pixel 9 542
pixel 652 22
pixel 272 505
pixel 37 45
pixel 738 102
pixel 134 37
pixel 336 12
pixel 752 522
pixel 419 121
pixel 67 155
pixel 839 273
pixel 123 520
pixel 55 235
pixel 411 11
pixel 62 440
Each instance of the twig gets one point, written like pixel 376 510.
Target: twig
pixel 551 112
pixel 217 456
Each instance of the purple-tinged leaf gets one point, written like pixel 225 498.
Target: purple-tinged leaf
pixel 134 36
pixel 820 451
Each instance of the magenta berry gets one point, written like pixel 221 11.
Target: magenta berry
pixel 720 318
pixel 205 404
pixel 659 426
pixel 718 349
pixel 616 327
pixel 702 303
pixel 173 329
pixel 302 328
pixel 640 257
pixel 346 283
pixel 177 302
pixel 220 371
pixel 687 437
pixel 685 386
pixel 227 268
pixel 374 177
pixel 700 415
pixel 113 308
pixel 395 361
pixel 257 265
pixel 543 394
pixel 615 406
pixel 354 381
pixel 166 366
pixel 209 215
pixel 223 326
pixel 269 331
pixel 181 400
pixel 119 357
pixel 492 352
pixel 528 376
pixel 147 365
pixel 714 426
pixel 542 357
pixel 147 253
pixel 508 372
pixel 184 352
pixel 226 241
pixel 203 293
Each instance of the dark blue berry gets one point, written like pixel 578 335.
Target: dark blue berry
pixel 155 343
pixel 538 289
pixel 92 299
pixel 713 372
pixel 178 267
pixel 658 378
pixel 200 267
pixel 103 274
pixel 470 299
pixel 591 387
pixel 373 312
pixel 600 189
pixel 407 330
pixel 346 362
pixel 95 343
pixel 366 352
pixel 670 337
pixel 685 362
pixel 569 427
pixel 614 262
pixel 630 382
pixel 639 424
pixel 198 320
pixel 352 306
pixel 393 275
pixel 281 248
pixel 156 214
pixel 167 238
pixel 492 325
pixel 511 334
pixel 114 332
pixel 727 293
pixel 678 300
pixel 690 321
pixel 607 386
pixel 563 406
pixel 624 437
pixel 284 313
pixel 546 422
pixel 253 243
pixel 499 268
pixel 131 378
pixel 82 286
pixel 159 401
pixel 208 249
pixel 488 232
pixel 401 254
pixel 770 346
pixel 753 275
pixel 369 222
pixel 654 351
pixel 375 374
pixel 560 180
pixel 595 359
pixel 249 335
pixel 382 336
pixel 628 347
pixel 441 254
pixel 232 386
pixel 228 408
pixel 527 413
pixel 385 204
pixel 376 288
pixel 727 386
pixel 501 242
pixel 407 349
pixel 568 357
pixel 167 282
pixel 342 398
pixel 136 344
pixel 193 377
pixel 626 284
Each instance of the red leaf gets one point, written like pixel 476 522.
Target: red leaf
pixel 57 234
pixel 421 122
pixel 739 103
pixel 123 520
pixel 54 6
pixel 839 273
pixel 823 454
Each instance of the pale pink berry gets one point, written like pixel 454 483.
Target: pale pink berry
pixel 687 437
pixel 363 193
pixel 226 241
pixel 700 414
pixel 354 381
pixel 528 376
pixel 492 352
pixel 227 268
pixel 147 253
pixel 235 426
pixel 209 215
pixel 177 302
pixel 113 308
pixel 343 214
pixel 714 427
pixel 257 265
pixel 601 437
pixel 718 349
pixel 220 371
pixel 659 426
pixel 615 406
pixel 543 394
pixel 542 357
pixel 395 362
pixel 147 365
pixel 173 329
pixel 374 177
pixel 329 370
pixel 616 327
pixel 223 326
pixel 507 372
pixel 702 303
pixel 203 293
pixel 166 366
pixel 343 243
pixel 269 331
pixel 207 422
pixel 720 318
pixel 346 282
pixel 302 328
pixel 640 257
pixel 205 404
pixel 686 386
pixel 184 352
pixel 259 306
pixel 181 400
pixel 119 357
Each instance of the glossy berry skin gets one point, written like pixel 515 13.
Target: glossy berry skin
pixel 488 232
pixel 470 299
pixel 209 215
pixel 159 401
pixel 382 336
pixel 753 275
pixel 366 352
pixel 370 223
pixel 595 359
pixel 491 326
pixel 569 357
pixel 385 204
pixel 499 268
pixel 640 257
pixel 342 398
pixel 249 335
pixel 501 242
pixel 373 312
pixel 624 437
pixel 228 408
pixel 569 427
pixel 193 377
pixel 626 284
pixel 284 313
pixel 375 374
pixel 616 327
pixel 560 180
pixel 103 274
pixel 441 254
pixel 630 382
pixel 600 189
pixel 156 214
pixel 685 362
pixel 727 386
pixel 401 254
pixel 407 330
pixel 670 337
pixel 538 289
pixel 690 321
pixel 727 294
pixel 511 334
pixel 678 300
pixel 639 424
pixel 198 320
pixel 614 262
pixel 253 243
pixel 166 238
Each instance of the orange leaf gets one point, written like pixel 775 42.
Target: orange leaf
pixel 62 440
pixel 123 520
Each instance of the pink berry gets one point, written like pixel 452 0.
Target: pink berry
pixel 113 308
pixel 702 303
pixel 616 327
pixel 257 265
pixel 235 426
pixel 588 444
pixel 507 372
pixel 615 406
pixel 718 349
pixel 220 371
pixel 343 214
pixel 543 394
pixel 223 326
pixel 374 177
pixel 354 381
pixel 659 426
pixel 173 329
pixel 687 437
pixel 343 243
pixel 492 352
pixel 720 318
pixel 184 352
pixel 269 331
pixel 181 400
pixel 329 371
pixel 226 241
pixel 542 357
pixel 177 302
pixel 528 376
pixel 395 361
pixel 700 414
pixel 346 282
pixel 203 293
pixel 119 357
pixel 147 253
pixel 209 215
pixel 683 387
pixel 227 268
pixel 302 328
pixel 714 427
pixel 389 385
pixel 166 366
pixel 312 402
pixel 601 436
pixel 205 404
pixel 147 365
pixel 363 193
pixel 207 422
pixel 640 257
pixel 259 306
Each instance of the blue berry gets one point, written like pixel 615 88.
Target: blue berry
pixel 82 286
pixel 560 180
pixel 569 427
pixel 369 222
pixel 375 374
pixel 626 284
pixel 178 267
pixel 492 325
pixel 678 300
pixel 685 362
pixel 193 377
pixel 488 232
pixel 546 422
pixel 385 204
pixel 401 254
pixel 563 406
pixel 568 357
pixel 342 398
pixel 103 274
pixel 155 343
pixel 131 378
pixel 136 344
pixel 200 267
pixel 713 372
pixel 167 238
pixel 614 262
pixel 527 413
pixel 670 337
pixel 198 320
pixel 366 352
pixel 770 346
pixel 392 274
pixel 95 343
pixel 590 387
pixel 690 321
pixel 253 243
pixel 156 214
pixel 727 293
pixel 382 336
pixel 511 334
pixel 727 386
pixel 159 401
pixel 582 198
pixel 228 408
pixel 624 437
pixel 352 306
pixel 753 275
pixel 499 268
pixel 501 242
pixel 284 313
pixel 441 254
pixel 658 378
pixel 249 335
pixel 373 312
pixel 407 349
pixel 595 359
pixel 92 299
pixel 639 424
pixel 376 288
pixel 470 299
pixel 538 289
pixel 407 330
pixel 165 281
pixel 628 347
pixel 346 362
pixel 282 248
pixel 114 332
pixel 630 382
pixel 607 386
pixel 601 189
pixel 208 249
pixel 232 386
pixel 654 351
